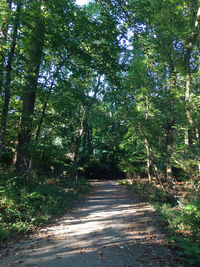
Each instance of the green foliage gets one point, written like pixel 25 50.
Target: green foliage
pixel 184 219
pixel 24 207
pixel 150 192
pixel 188 250
pixel 117 87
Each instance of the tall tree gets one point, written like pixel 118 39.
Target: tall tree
pixel 4 24
pixel 31 75
pixel 8 77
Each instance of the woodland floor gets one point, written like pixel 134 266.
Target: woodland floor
pixel 110 228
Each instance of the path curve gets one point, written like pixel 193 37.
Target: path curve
pixel 111 228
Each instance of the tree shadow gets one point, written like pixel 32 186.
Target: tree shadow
pixel 109 229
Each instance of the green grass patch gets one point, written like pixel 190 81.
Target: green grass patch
pixel 183 221
pixel 23 207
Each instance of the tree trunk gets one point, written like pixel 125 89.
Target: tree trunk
pixel 76 153
pixel 89 141
pixel 191 126
pixel 29 94
pixel 39 126
pixel 148 160
pixel 82 130
pixel 187 99
pixel 168 154
pixel 3 40
pixel 170 124
pixel 192 40
pixel 8 80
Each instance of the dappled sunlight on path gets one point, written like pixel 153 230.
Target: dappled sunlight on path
pixel 110 228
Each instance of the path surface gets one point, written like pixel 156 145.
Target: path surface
pixel 111 228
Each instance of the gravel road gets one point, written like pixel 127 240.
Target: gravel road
pixel 110 228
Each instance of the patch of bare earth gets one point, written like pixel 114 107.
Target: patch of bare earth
pixel 111 228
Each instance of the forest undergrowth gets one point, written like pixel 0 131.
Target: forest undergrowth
pixel 180 217
pixel 25 206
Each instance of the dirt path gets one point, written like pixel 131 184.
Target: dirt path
pixel 111 228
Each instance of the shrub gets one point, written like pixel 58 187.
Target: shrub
pixel 22 207
pixel 183 222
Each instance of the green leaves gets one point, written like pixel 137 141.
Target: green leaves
pixel 35 204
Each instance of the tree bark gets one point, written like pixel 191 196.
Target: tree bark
pixel 39 126
pixel 3 40
pixel 29 94
pixel 187 97
pixel 192 40
pixel 170 123
pixel 148 160
pixel 168 154
pixel 82 131
pixel 8 80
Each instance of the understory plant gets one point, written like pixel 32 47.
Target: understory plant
pixel 25 206
pixel 182 218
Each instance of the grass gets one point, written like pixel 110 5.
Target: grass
pixel 183 221
pixel 24 207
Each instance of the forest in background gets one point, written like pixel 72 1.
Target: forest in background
pixel 107 90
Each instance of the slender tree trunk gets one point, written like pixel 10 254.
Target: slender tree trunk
pixel 3 40
pixel 30 165
pixel 148 160
pixel 8 80
pixel 158 177
pixel 89 141
pixel 85 138
pixel 187 137
pixel 168 154
pixel 192 40
pixel 191 126
pixel 170 124
pixel 29 94
pixel 187 98
pixel 82 130
pixel 76 153
pixel 37 135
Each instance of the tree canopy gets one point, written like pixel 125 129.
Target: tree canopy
pixel 105 90
pixel 112 81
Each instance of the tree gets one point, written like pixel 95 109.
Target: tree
pixel 30 86
pixel 8 76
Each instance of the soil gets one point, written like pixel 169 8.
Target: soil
pixel 111 228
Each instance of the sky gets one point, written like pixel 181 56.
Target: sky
pixel 81 2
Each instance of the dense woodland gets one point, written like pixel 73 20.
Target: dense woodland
pixel 108 90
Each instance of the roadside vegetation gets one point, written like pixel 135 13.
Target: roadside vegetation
pixel 101 91
pixel 182 218
pixel 23 207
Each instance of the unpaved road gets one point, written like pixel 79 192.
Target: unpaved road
pixel 111 228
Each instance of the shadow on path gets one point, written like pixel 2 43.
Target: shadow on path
pixel 111 228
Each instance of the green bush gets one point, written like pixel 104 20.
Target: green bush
pixel 22 207
pixel 151 193
pixel 189 251
pixel 184 219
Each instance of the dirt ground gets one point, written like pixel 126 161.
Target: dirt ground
pixel 111 228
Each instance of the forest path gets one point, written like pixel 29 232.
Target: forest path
pixel 111 228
